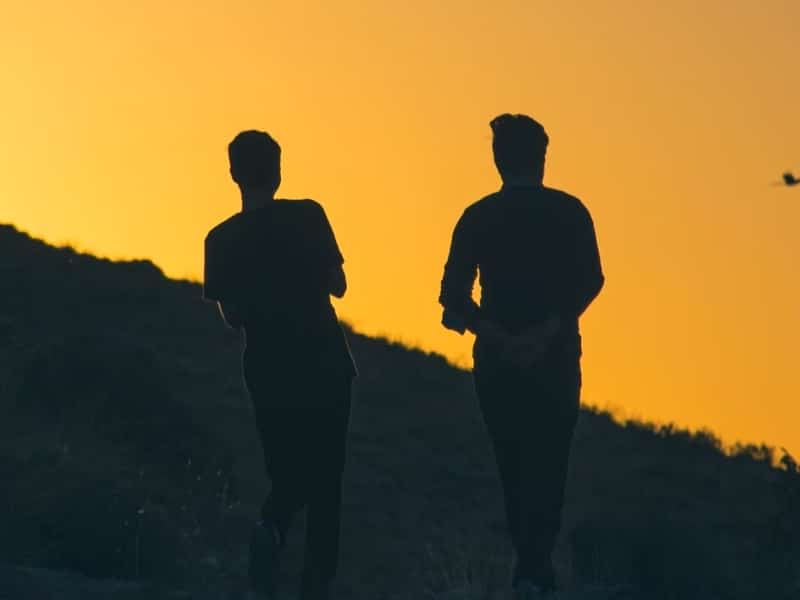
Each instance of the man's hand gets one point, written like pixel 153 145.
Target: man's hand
pixel 454 321
pixel 525 349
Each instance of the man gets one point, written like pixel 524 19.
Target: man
pixel 536 251
pixel 272 268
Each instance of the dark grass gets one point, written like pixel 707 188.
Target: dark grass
pixel 127 450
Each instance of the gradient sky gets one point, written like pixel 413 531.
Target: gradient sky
pixel 669 120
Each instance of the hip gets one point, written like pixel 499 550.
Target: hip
pixel 550 388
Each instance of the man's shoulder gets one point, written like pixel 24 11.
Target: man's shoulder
pixel 569 204
pixel 224 229
pixel 481 206
pixel 280 209
pixel 298 204
pixel 302 208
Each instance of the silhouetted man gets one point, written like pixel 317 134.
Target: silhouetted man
pixel 536 251
pixel 272 268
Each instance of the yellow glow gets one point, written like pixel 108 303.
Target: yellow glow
pixel 668 119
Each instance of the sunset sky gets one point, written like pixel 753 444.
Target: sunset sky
pixel 668 119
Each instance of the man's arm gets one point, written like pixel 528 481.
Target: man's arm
pixel 584 277
pixel 330 256
pixel 460 310
pixel 337 282
pixel 217 281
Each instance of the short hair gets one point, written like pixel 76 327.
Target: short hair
pixel 519 144
pixel 255 159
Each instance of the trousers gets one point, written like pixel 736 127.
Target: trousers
pixel 530 416
pixel 302 421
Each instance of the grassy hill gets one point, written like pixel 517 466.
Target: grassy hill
pixel 127 451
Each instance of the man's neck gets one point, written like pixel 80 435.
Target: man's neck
pixel 517 181
pixel 253 199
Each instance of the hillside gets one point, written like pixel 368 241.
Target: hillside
pixel 127 452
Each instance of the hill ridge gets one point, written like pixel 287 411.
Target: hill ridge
pixel 129 452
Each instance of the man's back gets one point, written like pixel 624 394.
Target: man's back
pixel 272 264
pixel 536 253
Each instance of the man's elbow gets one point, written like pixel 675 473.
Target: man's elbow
pixel 338 285
pixel 591 293
pixel 599 284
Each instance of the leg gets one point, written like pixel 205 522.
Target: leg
pixel 280 429
pixel 323 526
pixel 551 412
pixel 495 391
pixel 326 466
pixel 507 457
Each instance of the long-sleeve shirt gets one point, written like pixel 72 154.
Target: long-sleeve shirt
pixel 536 251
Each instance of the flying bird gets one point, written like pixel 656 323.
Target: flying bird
pixel 788 180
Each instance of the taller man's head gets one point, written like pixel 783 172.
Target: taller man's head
pixel 255 160
pixel 519 144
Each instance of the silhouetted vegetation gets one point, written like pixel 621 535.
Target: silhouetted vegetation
pixel 127 449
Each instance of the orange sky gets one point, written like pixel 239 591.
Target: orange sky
pixel 668 119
